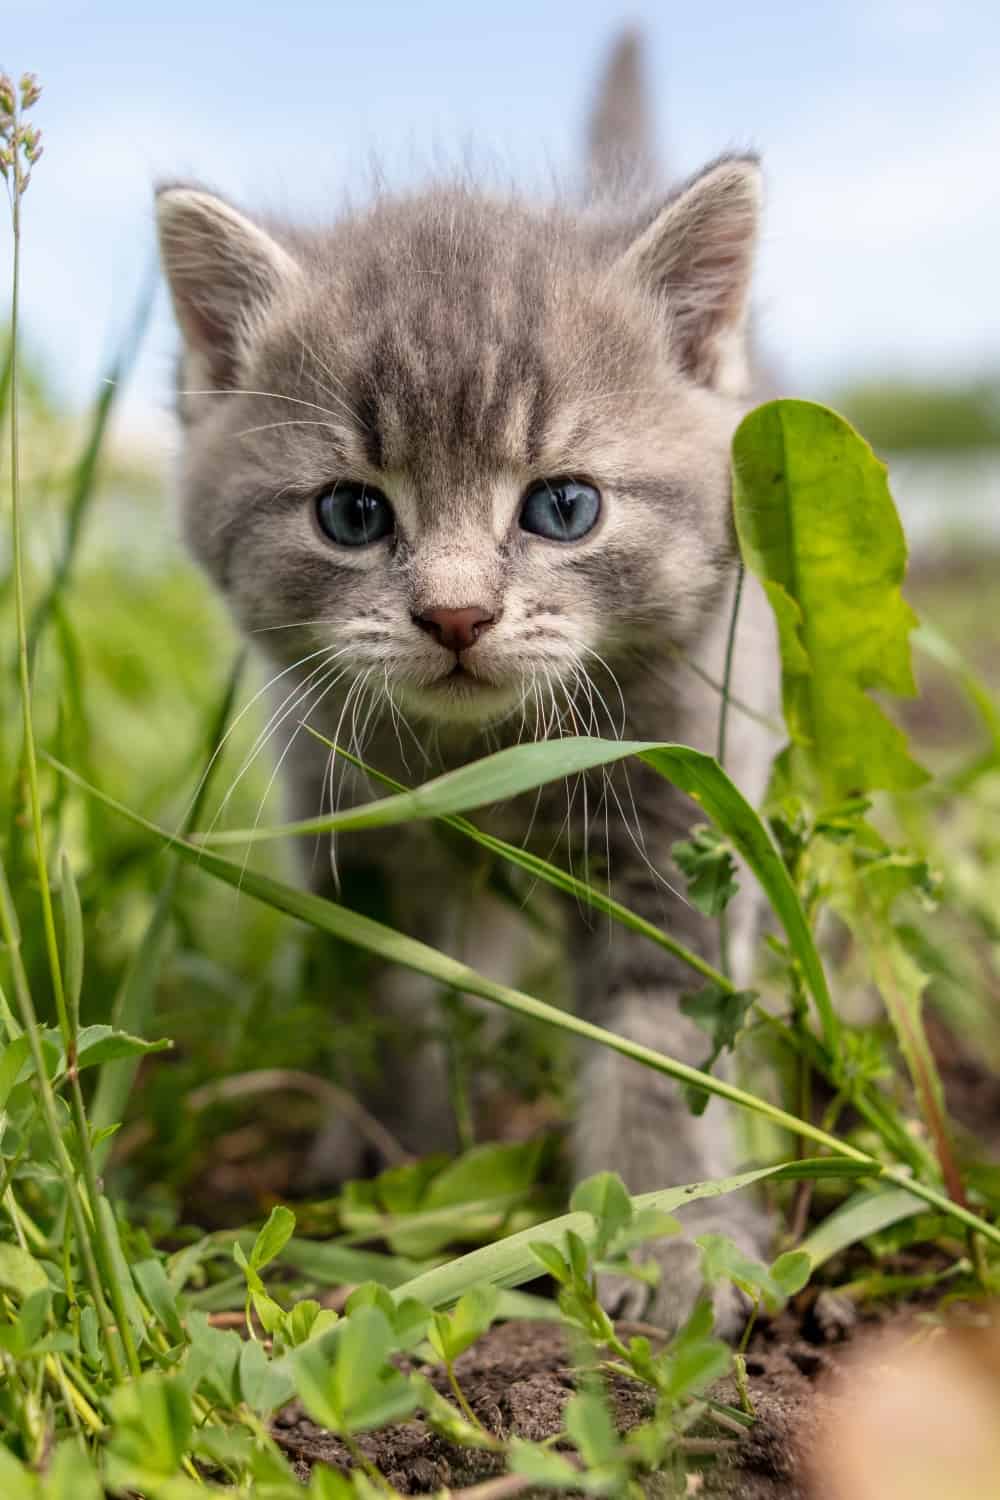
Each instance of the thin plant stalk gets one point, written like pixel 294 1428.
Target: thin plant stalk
pixel 17 182
pixel 133 1002
pixel 24 674
pixel 720 749
pixel 83 488
pixel 11 937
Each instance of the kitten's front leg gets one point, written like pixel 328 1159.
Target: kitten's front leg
pixel 634 1121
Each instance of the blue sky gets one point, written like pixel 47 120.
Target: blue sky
pixel 878 121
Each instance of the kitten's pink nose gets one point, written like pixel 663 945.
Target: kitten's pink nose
pixel 456 629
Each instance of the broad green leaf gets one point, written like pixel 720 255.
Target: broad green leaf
pixel 152 1423
pixel 273 1238
pixel 32 1318
pixel 101 1043
pixel 698 1364
pixel 13 1059
pixel 791 1271
pixel 344 1379
pixel 264 1385
pixel 542 1465
pixel 720 1013
pixel 270 1313
pixel 19 1272
pixel 213 1360
pixel 606 1197
pixel 16 1482
pixel 722 1260
pixel 487 1171
pixel 450 1334
pixel 707 861
pixel 329 1484
pixel 72 1475
pixel 588 1422
pixel 817 526
pixel 307 1320
pixel 863 1214
pixel 553 1260
pixel 407 1318
pixel 158 1295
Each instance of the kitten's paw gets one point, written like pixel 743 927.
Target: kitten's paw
pixel 670 1303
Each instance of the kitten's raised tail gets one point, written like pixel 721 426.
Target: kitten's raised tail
pixel 621 149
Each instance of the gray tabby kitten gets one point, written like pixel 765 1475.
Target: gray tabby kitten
pixel 460 465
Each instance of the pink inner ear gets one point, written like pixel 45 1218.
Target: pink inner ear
pixel 699 255
pixel 219 266
pixel 208 334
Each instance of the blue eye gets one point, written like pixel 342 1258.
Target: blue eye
pixel 560 509
pixel 353 514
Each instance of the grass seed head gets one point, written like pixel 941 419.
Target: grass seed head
pixel 20 144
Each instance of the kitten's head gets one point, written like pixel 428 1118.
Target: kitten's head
pixel 471 445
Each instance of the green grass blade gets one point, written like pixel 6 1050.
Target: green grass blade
pixel 864 1214
pixel 394 947
pixel 84 484
pixel 510 1262
pixel 133 1006
pixel 523 768
pixel 327 1263
pixel 72 938
pixel 544 870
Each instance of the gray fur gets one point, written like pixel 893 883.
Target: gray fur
pixel 451 347
pixel 621 152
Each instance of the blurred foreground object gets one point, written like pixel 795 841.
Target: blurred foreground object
pixel 919 1419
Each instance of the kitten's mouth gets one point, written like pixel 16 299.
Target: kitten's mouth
pixel 464 696
pixel 461 679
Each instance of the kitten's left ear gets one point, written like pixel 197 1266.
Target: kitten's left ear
pixel 223 271
pixel 697 254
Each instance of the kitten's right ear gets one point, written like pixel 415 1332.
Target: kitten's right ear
pixel 222 271
pixel 696 256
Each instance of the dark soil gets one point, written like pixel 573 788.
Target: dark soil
pixel 518 1378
